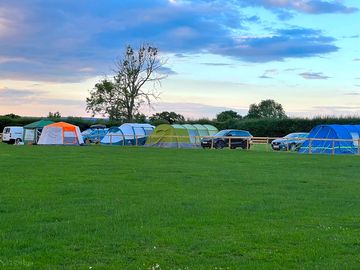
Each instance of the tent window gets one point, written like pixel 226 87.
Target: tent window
pixel 70 137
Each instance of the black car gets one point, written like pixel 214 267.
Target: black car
pixel 290 142
pixel 241 138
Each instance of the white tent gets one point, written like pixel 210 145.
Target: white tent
pixel 61 133
pixel 128 134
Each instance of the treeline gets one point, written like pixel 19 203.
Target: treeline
pixel 15 120
pixel 257 127
pixel 281 127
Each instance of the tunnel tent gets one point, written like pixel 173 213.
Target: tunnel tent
pixel 202 130
pixel 349 133
pixel 61 133
pixel 33 131
pixel 128 134
pixel 196 131
pixel 193 132
pixel 211 129
pixel 113 136
pixel 170 136
pixel 178 136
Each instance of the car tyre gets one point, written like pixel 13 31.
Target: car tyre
pixel 245 145
pixel 219 144
pixel 292 147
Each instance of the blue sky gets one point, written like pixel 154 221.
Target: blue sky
pixel 220 55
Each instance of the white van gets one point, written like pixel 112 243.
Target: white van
pixel 12 135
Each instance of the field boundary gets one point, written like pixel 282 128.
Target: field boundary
pixel 139 140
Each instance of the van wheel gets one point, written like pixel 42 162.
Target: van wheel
pixel 17 141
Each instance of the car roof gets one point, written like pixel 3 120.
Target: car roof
pixel 299 133
pixel 235 130
pixel 240 130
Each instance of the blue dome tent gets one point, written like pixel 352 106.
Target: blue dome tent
pixel 336 132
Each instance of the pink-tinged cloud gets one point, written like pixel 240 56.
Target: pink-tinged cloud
pixel 303 6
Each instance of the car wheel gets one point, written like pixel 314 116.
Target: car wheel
pixel 292 147
pixel 220 145
pixel 245 145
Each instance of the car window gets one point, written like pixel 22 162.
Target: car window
pixel 240 133
pixel 296 135
pixel 291 135
pixel 222 133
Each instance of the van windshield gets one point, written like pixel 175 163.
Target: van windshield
pixel 7 130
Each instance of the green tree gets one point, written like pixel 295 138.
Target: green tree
pixel 122 96
pixel 169 117
pixel 227 115
pixel 54 115
pixel 140 118
pixel 13 116
pixel 266 109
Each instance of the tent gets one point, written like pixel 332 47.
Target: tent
pixel 128 134
pixel 33 131
pixel 344 132
pixel 61 133
pixel 179 136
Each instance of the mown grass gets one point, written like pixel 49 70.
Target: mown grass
pixel 148 208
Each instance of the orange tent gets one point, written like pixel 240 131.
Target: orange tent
pixel 61 133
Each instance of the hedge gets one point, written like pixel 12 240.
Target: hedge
pixel 257 127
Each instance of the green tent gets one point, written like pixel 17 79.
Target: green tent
pixel 33 131
pixel 179 136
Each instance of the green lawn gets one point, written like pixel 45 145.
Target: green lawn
pixel 148 208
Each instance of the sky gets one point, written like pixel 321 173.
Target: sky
pixel 220 54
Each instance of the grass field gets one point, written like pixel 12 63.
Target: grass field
pixel 142 208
